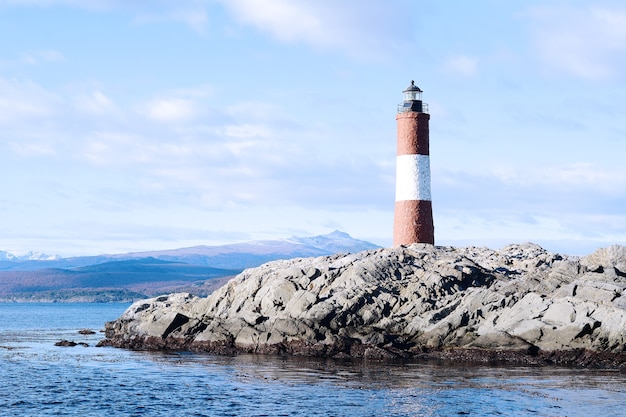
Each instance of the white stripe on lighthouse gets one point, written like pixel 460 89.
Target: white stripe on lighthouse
pixel 412 177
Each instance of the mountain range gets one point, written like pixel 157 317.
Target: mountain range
pixel 29 256
pixel 124 277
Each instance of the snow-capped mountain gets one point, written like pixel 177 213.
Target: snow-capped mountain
pixel 254 253
pixel 199 269
pixel 335 242
pixel 232 256
pixel 27 256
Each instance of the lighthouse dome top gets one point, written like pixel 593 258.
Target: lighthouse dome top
pixel 412 92
pixel 412 88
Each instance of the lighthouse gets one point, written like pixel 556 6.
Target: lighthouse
pixel 413 214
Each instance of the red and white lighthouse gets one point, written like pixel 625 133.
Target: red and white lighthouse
pixel 413 215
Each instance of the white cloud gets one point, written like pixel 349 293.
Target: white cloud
pixel 113 148
pixel 96 103
pixel 585 175
pixel 23 100
pixel 170 110
pixel 461 65
pixel 551 205
pixel 246 130
pixel 363 28
pixel 31 149
pixel 587 42
pixel 567 232
pixel 256 111
pixel 196 19
pixel 192 14
pixel 287 20
pixel 38 57
pixel 90 5
pixel 197 92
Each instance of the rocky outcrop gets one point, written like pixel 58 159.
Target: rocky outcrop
pixel 70 343
pixel 520 303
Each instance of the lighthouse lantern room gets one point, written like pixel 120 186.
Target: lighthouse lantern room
pixel 412 100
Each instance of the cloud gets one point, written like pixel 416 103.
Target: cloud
pixel 33 149
pixel 23 100
pixel 461 65
pixel 550 205
pixel 192 13
pixel 38 57
pixel 363 28
pixel 287 20
pixel 578 175
pixel 170 110
pixel 113 148
pixel 368 29
pixel 567 232
pixel 96 103
pixel 242 131
pixel 556 177
pixel 540 204
pixel 588 42
pixel 91 5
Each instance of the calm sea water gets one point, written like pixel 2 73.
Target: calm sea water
pixel 40 379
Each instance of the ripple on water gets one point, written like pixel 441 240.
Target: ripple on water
pixel 112 381
pixel 41 379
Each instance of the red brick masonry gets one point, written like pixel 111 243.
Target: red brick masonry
pixel 413 133
pixel 413 222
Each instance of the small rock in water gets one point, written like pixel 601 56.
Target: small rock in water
pixel 70 343
pixel 86 331
pixel 65 343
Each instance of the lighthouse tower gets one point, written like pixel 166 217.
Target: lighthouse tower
pixel 413 215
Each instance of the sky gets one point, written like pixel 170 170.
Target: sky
pixel 130 125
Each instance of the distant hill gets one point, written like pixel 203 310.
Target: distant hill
pixel 250 254
pixel 130 276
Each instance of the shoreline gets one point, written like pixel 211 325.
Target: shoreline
pixel 577 358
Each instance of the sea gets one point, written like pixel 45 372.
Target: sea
pixel 38 378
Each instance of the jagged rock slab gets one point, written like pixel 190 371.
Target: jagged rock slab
pixel 520 303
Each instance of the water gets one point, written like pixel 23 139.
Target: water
pixel 40 379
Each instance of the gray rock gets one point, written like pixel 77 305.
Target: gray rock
pixel 397 302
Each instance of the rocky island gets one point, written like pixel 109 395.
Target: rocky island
pixel 521 304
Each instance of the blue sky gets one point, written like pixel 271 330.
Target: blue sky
pixel 129 125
